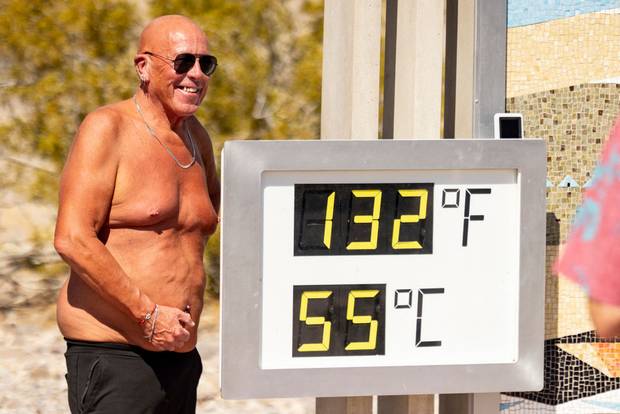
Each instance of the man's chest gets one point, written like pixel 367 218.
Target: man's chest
pixel 157 191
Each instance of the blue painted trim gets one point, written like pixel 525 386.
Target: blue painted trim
pixel 610 405
pixel 526 12
pixel 567 182
pixel 506 406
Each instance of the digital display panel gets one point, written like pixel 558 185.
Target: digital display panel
pixel 339 219
pixel 336 320
pixel 382 271
pixel 404 259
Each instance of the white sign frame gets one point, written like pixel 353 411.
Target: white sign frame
pixel 243 167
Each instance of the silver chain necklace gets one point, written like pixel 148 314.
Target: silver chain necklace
pixel 152 132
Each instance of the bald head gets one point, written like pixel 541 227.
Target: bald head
pixel 170 62
pixel 165 32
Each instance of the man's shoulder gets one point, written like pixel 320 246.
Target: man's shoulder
pixel 101 131
pixel 107 118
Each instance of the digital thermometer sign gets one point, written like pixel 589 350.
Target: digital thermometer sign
pixel 339 219
pixel 383 270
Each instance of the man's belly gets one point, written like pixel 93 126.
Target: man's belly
pixel 168 274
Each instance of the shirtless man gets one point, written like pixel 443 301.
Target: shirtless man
pixel 139 196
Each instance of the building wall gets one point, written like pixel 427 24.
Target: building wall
pixel 561 53
pixel 563 75
pixel 527 12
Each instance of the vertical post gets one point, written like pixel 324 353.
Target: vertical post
pixel 406 404
pixel 475 90
pixel 414 48
pixel 450 63
pixel 490 65
pixel 475 67
pixel 459 95
pixel 489 98
pixel 487 403
pixel 344 405
pixel 351 69
pixel 456 404
pixel 350 104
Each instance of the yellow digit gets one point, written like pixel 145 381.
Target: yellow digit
pixel 409 218
pixel 373 220
pixel 362 319
pixel 315 320
pixel 329 217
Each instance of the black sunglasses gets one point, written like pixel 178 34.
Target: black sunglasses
pixel 185 61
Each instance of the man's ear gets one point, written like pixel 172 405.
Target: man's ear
pixel 140 64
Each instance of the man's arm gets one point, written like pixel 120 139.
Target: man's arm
pixel 591 255
pixel 86 188
pixel 606 319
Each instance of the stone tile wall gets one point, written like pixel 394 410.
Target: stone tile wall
pixel 525 12
pixel 581 374
pixel 565 52
pixel 575 121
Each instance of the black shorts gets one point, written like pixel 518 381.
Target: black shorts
pixel 119 378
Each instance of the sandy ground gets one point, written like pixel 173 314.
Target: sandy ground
pixel 32 367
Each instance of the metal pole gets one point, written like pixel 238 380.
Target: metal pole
pixel 344 405
pixel 475 90
pixel 490 65
pixel 414 50
pixel 486 403
pixel 406 404
pixel 350 104
pixel 351 69
pixel 414 47
pixel 475 67
pixel 462 34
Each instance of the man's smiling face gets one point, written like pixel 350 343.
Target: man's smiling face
pixel 180 93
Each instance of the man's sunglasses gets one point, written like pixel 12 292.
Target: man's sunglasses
pixel 185 61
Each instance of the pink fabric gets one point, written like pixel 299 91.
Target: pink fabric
pixel 592 253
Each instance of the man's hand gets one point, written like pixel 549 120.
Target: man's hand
pixel 170 333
